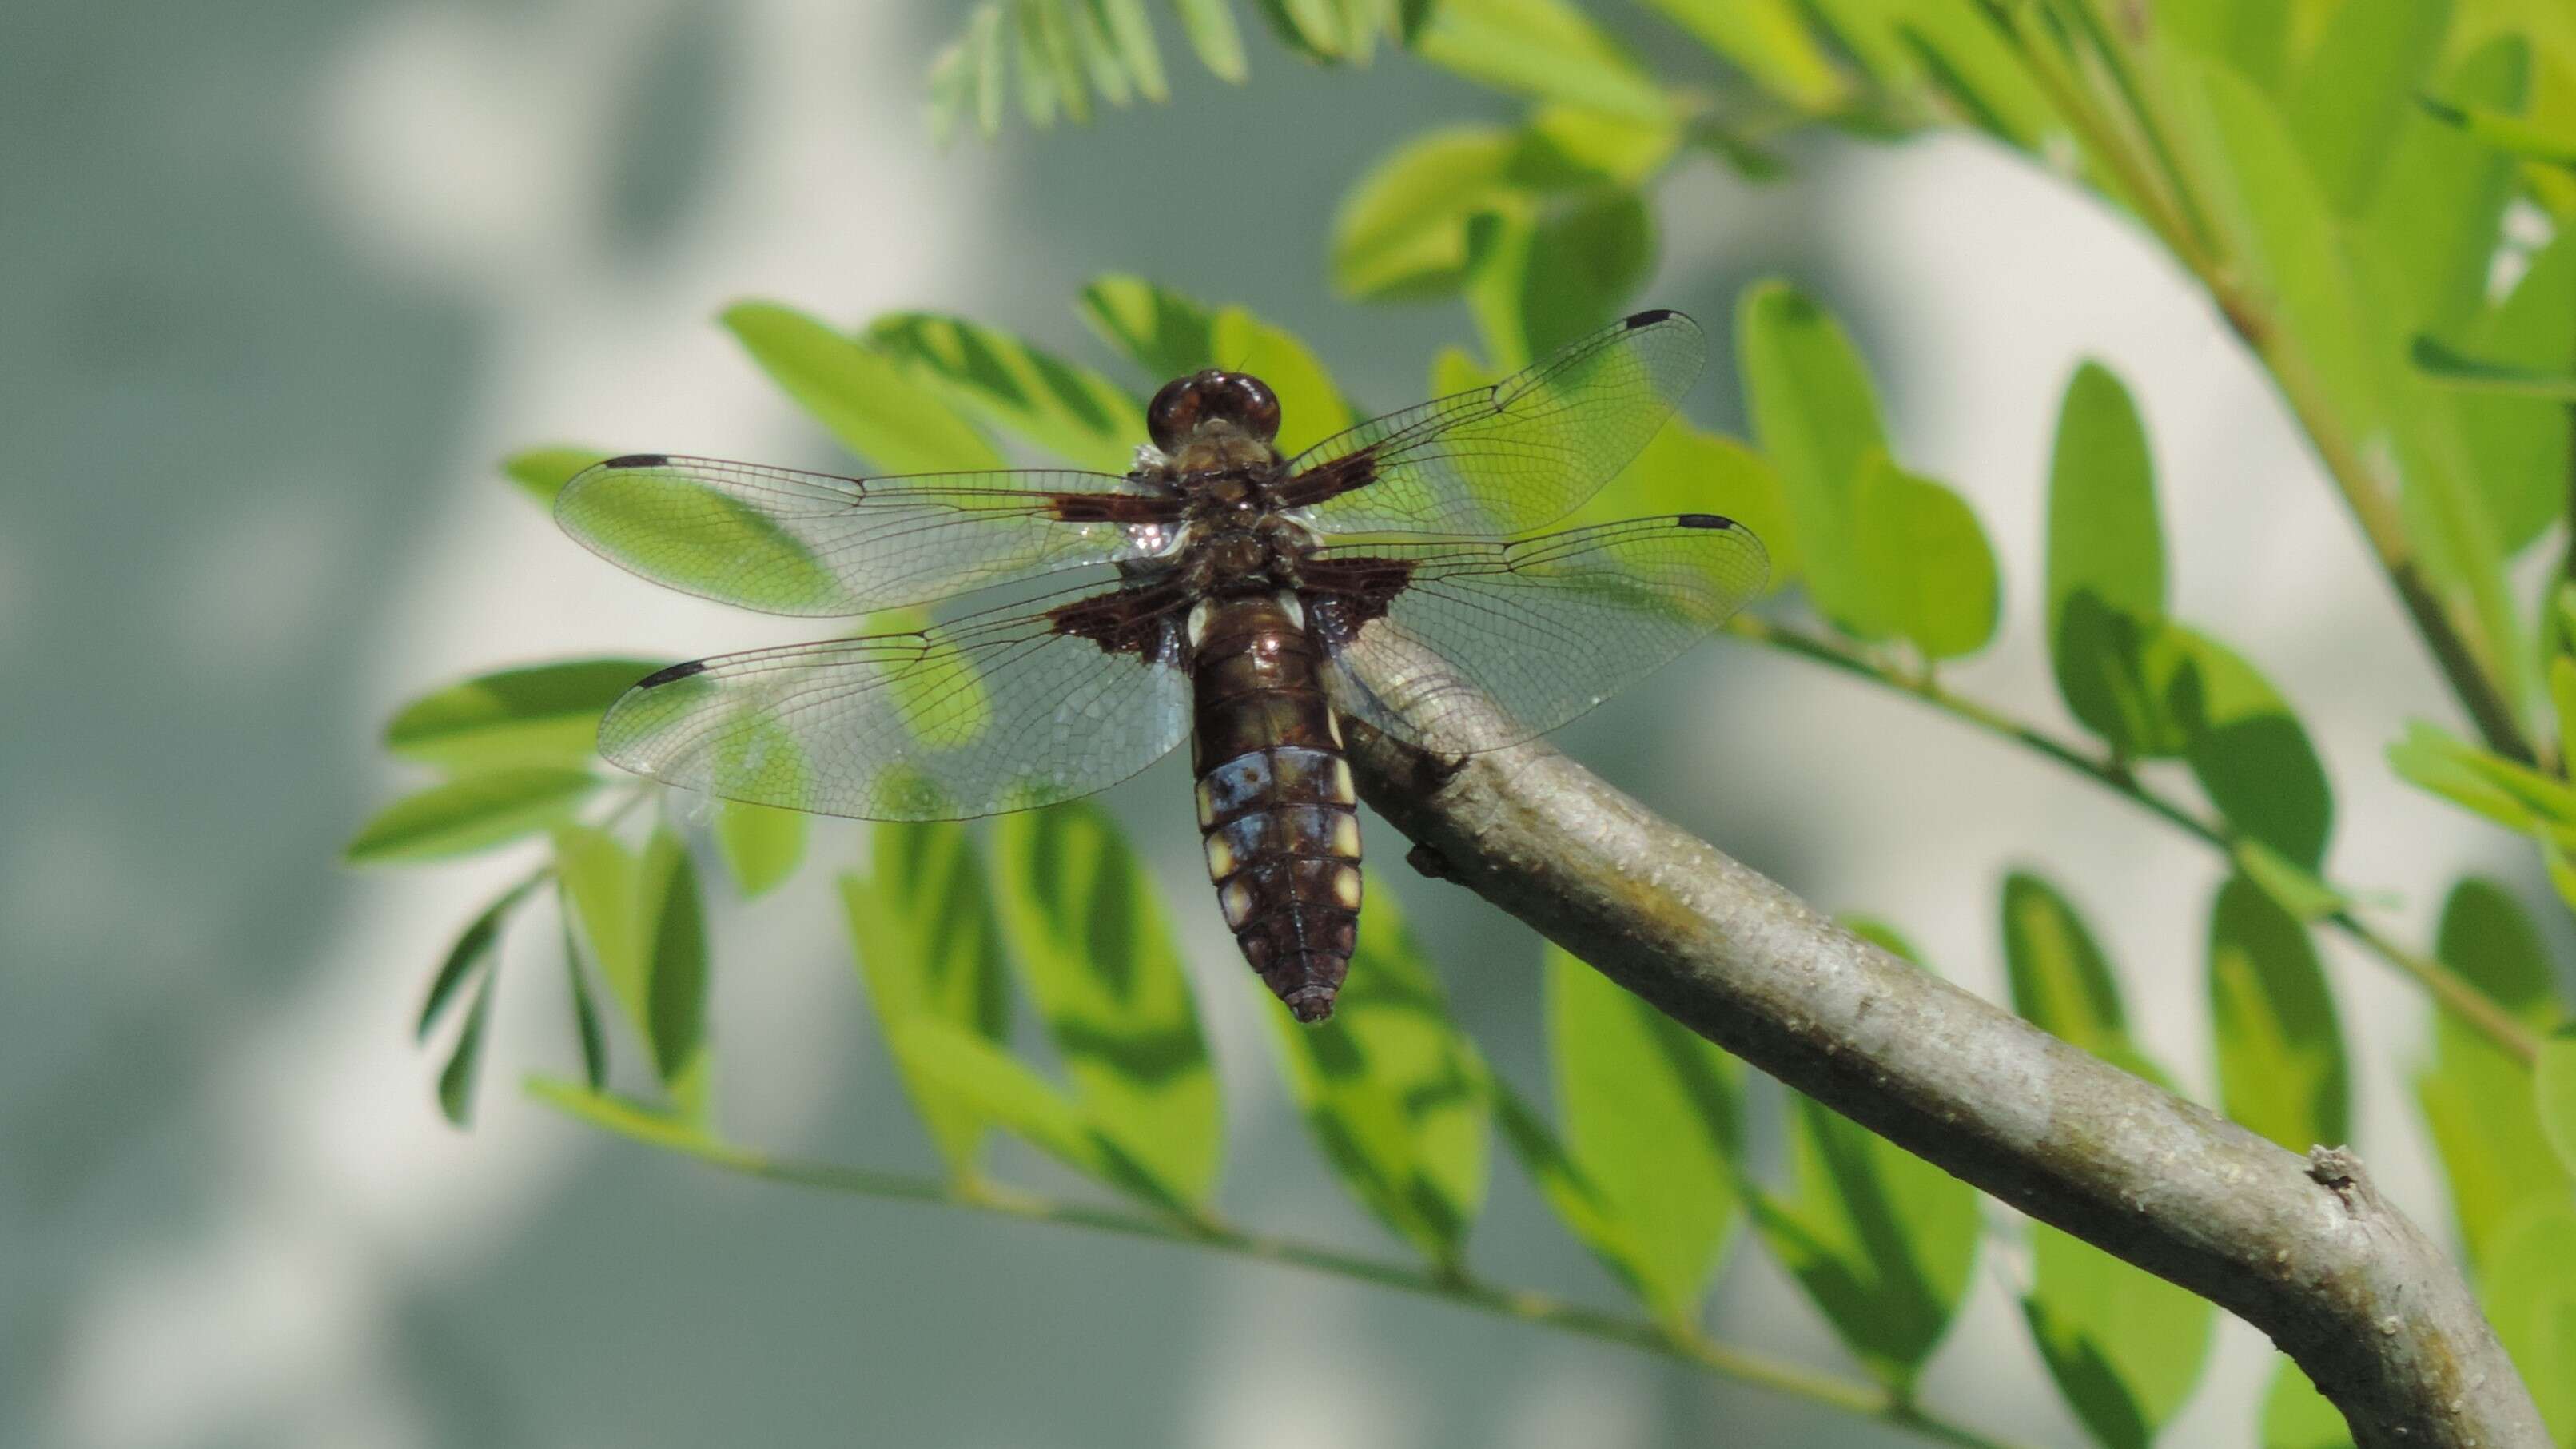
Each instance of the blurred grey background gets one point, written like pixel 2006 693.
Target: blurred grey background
pixel 280 282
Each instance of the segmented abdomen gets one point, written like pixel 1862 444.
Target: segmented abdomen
pixel 1275 799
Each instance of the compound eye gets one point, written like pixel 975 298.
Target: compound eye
pixel 1256 407
pixel 1173 413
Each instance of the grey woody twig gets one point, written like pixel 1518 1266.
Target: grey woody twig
pixel 2303 1249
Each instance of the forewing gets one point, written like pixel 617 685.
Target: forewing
pixel 1465 647
pixel 986 715
pixel 787 542
pixel 1510 458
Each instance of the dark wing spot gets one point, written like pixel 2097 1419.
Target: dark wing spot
pixel 675 673
pixel 1129 508
pixel 1649 317
pixel 1129 622
pixel 638 460
pixel 1704 520
pixel 1328 480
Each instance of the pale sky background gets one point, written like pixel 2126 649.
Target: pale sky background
pixel 283 280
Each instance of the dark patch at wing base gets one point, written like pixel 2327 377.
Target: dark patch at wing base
pixel 1137 623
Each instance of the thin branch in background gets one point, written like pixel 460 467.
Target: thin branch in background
pixel 2452 990
pixel 1217 1236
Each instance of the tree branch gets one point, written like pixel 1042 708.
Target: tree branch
pixel 2304 1250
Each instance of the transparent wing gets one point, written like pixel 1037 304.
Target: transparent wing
pixel 787 542
pixel 1510 458
pixel 1464 647
pixel 989 714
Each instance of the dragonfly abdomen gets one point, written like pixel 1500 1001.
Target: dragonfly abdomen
pixel 1276 805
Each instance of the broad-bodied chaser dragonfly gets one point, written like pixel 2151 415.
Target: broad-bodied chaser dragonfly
pixel 1388 574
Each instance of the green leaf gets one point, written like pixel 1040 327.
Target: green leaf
pixel 1653 1115
pixel 2357 86
pixel 2531 1299
pixel 1881 1240
pixel 1163 332
pixel 1096 952
pixel 2106 565
pixel 1768 39
pixel 541 473
pixel 2511 794
pixel 952 86
pixel 473 949
pixel 2281 1064
pixel 587 1028
pixel 2124 1345
pixel 2253 36
pixel 614 1113
pixel 598 880
pixel 1312 28
pixel 2553 1082
pixel 672 926
pixel 762 844
pixel 2512 135
pixel 547 714
pixel 1394 1093
pixel 2477 1098
pixel 992 376
pixel 2250 753
pixel 456 1079
pixel 2292 886
pixel 1575 1198
pixel 2296 1416
pixel 1684 470
pixel 2060 979
pixel 1538 280
pixel 1816 417
pixel 1926 553
pixel 1958 51
pixel 487 808
pixel 1210 26
pixel 1401 231
pixel 1131 34
pixel 1544 49
pixel 2518 440
pixel 998 1088
pixel 2445 364
pixel 930 947
pixel 865 399
pixel 1310 407
pixel 2437 215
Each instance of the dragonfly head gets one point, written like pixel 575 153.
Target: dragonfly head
pixel 1237 399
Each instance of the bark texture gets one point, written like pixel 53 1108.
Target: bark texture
pixel 2302 1248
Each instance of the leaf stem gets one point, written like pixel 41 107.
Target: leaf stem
pixel 2446 986
pixel 1214 1235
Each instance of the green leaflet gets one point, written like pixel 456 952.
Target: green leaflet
pixel 2105 566
pixel 1653 1117
pixel 1575 1198
pixel 547 714
pixel 1546 50
pixel 2513 135
pixel 1538 281
pixel 1096 953
pixel 2281 1064
pixel 2124 1345
pixel 2553 1083
pixel 2438 213
pixel 1817 419
pixel 2513 795
pixel 541 473
pixel 475 812
pixel 2253 36
pixel 1401 231
pixel 1924 552
pixel 456 1079
pixel 1211 29
pixel 998 379
pixel 2531 1299
pixel 1162 332
pixel 930 947
pixel 2296 1416
pixel 1395 1094
pixel 2357 87
pixel 865 399
pixel 762 844
pixel 476 946
pixel 2250 753
pixel 672 926
pixel 1684 470
pixel 2478 1100
pixel 999 1088
pixel 1881 1240
pixel 2060 978
pixel 2458 369
pixel 1769 39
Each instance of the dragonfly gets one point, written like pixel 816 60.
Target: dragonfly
pixel 1398 573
